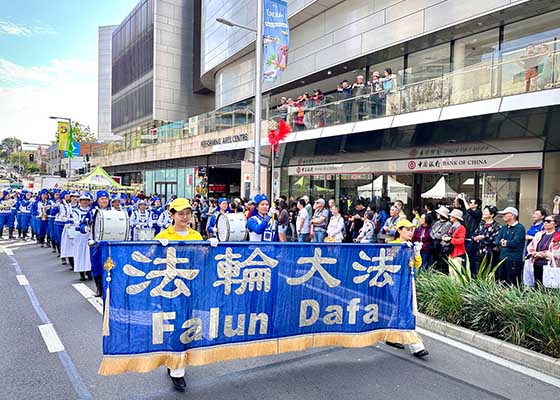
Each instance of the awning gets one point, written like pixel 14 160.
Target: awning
pixel 98 179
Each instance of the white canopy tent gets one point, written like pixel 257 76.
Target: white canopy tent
pixel 394 186
pixel 441 190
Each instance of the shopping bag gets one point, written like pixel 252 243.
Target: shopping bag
pixel 551 277
pixel 528 274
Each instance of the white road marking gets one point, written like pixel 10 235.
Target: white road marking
pixel 490 357
pixel 51 338
pixel 8 251
pixel 88 294
pixel 19 244
pixel 22 279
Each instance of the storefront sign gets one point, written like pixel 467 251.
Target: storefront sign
pixel 495 162
pixel 225 140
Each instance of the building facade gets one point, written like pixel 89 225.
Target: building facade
pixel 471 95
pixel 104 65
pixel 152 68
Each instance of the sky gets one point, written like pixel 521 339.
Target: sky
pixel 48 63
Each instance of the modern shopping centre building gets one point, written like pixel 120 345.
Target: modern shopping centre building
pixel 475 100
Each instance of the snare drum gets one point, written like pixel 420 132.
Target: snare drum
pixel 110 225
pixel 144 233
pixel 231 227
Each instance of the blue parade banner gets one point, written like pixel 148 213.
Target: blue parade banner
pixel 276 39
pixel 75 150
pixel 191 304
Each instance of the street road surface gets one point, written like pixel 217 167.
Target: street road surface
pixel 50 345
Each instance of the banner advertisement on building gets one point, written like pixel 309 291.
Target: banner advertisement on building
pixel 276 39
pixel 192 304
pixel 63 131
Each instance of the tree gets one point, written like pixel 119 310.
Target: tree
pixel 21 158
pixel 9 145
pixel 80 133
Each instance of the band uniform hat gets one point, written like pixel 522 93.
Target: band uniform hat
pixel 85 196
pixel 179 204
pixel 102 193
pixel 259 198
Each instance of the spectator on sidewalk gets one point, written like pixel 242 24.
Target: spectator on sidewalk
pixel 511 241
pixel 422 236
pixel 335 228
pixel 484 239
pixel 368 229
pixel 456 239
pixel 545 247
pixel 319 222
pixel 538 224
pixel 302 222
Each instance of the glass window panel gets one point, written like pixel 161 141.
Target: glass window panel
pixel 530 54
pixel 428 64
pixel 473 60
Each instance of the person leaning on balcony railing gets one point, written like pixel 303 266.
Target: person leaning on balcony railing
pixel 360 89
pixel 546 65
pixel 319 114
pixel 376 97
pixel 529 62
pixel 389 81
pixel 283 109
pixel 345 94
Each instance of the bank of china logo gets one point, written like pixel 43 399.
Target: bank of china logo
pixel 412 164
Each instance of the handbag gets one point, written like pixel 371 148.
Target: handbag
pixel 551 277
pixel 330 239
pixel 528 274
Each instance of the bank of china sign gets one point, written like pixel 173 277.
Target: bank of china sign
pixel 440 164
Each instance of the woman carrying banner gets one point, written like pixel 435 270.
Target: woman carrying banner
pixel 261 225
pixel 405 231
pixel 181 213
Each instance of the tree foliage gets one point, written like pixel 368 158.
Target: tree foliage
pixel 80 133
pixel 21 159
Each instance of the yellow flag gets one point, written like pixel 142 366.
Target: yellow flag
pixel 63 129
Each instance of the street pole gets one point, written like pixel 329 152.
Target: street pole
pixel 258 96
pixel 70 155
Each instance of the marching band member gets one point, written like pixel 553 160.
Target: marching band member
pixel 261 225
pixel 81 217
pixel 39 213
pixel 155 213
pixel 5 212
pixel 405 231
pixel 23 213
pixel 61 212
pixel 51 213
pixel 181 212
pixel 223 208
pixel 13 215
pixel 116 202
pixel 141 219
pixel 64 223
pixel 164 221
pixel 85 226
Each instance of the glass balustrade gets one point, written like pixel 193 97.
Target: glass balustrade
pixel 506 74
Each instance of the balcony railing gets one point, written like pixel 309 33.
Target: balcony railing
pixel 505 75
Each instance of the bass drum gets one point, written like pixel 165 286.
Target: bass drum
pixel 231 227
pixel 110 225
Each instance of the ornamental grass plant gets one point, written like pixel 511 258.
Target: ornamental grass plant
pixel 523 316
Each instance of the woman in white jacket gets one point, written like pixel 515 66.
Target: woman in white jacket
pixel 335 229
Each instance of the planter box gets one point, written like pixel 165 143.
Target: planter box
pixel 511 352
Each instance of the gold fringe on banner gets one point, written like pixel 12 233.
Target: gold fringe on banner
pixel 109 265
pixel 113 365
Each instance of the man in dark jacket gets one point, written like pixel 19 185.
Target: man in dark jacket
pixel 511 241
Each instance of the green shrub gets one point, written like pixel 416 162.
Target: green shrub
pixel 523 316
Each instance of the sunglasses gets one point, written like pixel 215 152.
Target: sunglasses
pixel 549 221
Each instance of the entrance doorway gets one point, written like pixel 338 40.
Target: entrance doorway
pixel 165 190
